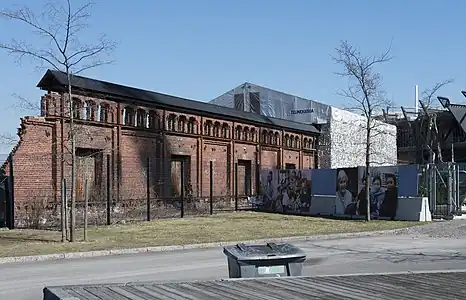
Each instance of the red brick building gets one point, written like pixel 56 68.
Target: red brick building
pixel 130 125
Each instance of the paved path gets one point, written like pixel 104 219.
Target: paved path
pixel 342 256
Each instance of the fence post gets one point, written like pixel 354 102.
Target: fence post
pixel 257 175
pixel 11 188
pixel 258 179
pixel 457 182
pixel 7 203
pixel 109 202
pixel 236 186
pixel 211 175
pixel 86 204
pixel 148 188
pixel 64 234
pixel 66 208
pixel 182 188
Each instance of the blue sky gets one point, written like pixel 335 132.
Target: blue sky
pixel 201 49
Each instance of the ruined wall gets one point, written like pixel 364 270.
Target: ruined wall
pixel 133 136
pixel 34 166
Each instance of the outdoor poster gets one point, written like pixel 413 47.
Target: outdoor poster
pixel 292 190
pixel 346 191
pixel 383 192
pixel 268 186
pixel 286 190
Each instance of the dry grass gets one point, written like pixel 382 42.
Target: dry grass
pixel 223 227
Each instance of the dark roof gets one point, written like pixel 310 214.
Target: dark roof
pixel 57 81
pixel 388 286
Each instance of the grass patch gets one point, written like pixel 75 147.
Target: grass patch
pixel 216 228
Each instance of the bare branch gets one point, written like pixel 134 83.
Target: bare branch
pixel 93 65
pixel 428 95
pixel 25 15
pixel 21 50
pixel 89 52
pixel 364 88
pixel 25 104
pixel 60 26
pixel 8 139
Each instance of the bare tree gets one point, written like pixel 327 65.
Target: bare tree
pixel 366 94
pixel 60 25
pixel 432 138
pixel 428 95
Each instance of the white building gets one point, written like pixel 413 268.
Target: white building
pixel 342 142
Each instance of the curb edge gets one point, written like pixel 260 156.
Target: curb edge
pixel 112 252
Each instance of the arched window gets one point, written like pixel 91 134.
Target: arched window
pixel 287 140
pixel 91 110
pixel 271 138
pixel 152 120
pixel 252 135
pixel 239 132
pixel 225 130
pixel 267 138
pixel 128 116
pixel 277 138
pixel 181 124
pixel 77 107
pixel 191 125
pixel 264 136
pixel 208 128
pixel 103 112
pixel 217 129
pixel 245 134
pixel 171 120
pixel 141 118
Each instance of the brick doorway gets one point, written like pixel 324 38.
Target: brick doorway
pixel 244 177
pixel 179 162
pixel 89 166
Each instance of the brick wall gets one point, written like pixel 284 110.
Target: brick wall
pixel 222 171
pixel 130 134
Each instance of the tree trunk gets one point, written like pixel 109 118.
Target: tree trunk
pixel 64 206
pixel 367 170
pixel 73 163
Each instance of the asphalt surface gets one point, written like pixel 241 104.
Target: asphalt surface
pixel 393 253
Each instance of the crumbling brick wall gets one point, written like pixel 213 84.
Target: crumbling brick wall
pixel 117 130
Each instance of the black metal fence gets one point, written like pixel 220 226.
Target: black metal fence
pixel 139 200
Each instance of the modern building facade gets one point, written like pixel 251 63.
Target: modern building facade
pixel 342 142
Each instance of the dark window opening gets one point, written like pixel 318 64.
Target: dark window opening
pixel 239 102
pixel 290 166
pixel 244 177
pixel 254 99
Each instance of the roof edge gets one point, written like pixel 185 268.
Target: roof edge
pixel 51 80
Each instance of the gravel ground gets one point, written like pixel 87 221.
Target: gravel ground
pixel 455 229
